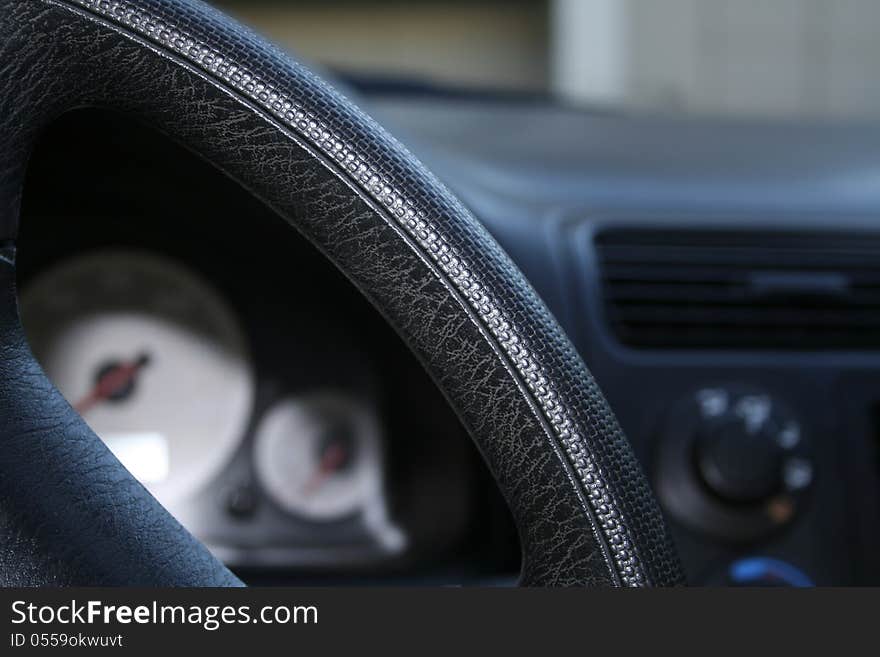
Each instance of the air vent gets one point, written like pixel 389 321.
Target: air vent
pixel 707 289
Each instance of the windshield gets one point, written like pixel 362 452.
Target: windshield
pixel 782 58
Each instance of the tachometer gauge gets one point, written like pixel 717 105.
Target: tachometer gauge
pixel 151 357
pixel 319 457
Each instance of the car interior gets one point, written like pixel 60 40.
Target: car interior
pixel 718 274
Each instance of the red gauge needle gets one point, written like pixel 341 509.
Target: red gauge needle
pixel 333 458
pixel 111 382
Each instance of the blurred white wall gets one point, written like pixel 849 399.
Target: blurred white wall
pixel 756 57
pixel 590 50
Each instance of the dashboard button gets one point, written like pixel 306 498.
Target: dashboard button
pixel 241 502
pixel 732 462
pixel 765 571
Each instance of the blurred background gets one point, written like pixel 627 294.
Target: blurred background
pixel 777 58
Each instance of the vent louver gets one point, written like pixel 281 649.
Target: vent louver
pixel 708 289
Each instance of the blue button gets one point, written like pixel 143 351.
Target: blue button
pixel 764 571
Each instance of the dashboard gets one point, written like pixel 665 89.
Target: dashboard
pixel 721 280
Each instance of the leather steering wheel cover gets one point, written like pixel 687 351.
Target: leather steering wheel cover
pixel 585 512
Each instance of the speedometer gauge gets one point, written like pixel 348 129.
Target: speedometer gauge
pixel 319 457
pixel 151 357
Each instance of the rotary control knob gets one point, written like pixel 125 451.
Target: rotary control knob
pixel 732 462
pixel 738 465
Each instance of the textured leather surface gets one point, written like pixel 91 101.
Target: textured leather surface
pixel 585 513
pixel 70 514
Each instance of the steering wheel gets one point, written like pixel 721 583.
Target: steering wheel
pixel 69 511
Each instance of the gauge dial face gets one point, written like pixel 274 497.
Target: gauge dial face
pixel 320 456
pixel 151 357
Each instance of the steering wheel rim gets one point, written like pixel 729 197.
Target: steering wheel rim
pixel 71 514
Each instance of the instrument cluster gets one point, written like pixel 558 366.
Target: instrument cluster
pixel 238 375
pixel 157 363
